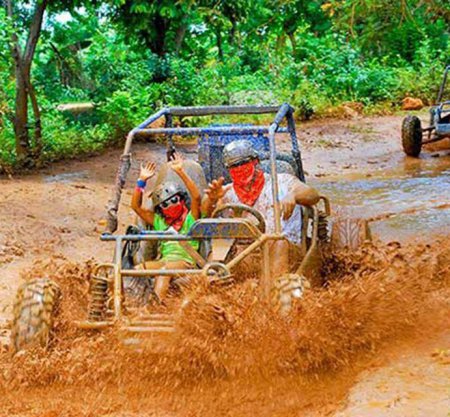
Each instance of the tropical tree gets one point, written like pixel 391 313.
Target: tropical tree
pixel 23 58
pixel 26 20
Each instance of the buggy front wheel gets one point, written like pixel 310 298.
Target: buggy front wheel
pixel 412 136
pixel 286 290
pixel 34 312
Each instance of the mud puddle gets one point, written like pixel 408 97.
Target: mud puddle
pixel 66 177
pixel 412 200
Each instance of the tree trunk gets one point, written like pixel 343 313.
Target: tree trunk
pixel 281 42
pixel 37 121
pixel 219 43
pixel 24 91
pixel 179 37
pixel 64 77
pixel 24 88
pixel 293 43
pixel 159 43
pixel 233 30
pixel 23 151
pixel 21 103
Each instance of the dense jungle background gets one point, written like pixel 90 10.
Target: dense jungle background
pixel 131 57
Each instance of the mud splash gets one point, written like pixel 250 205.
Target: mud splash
pixel 231 353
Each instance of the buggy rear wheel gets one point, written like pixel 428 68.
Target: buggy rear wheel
pixel 350 233
pixel 34 312
pixel 412 136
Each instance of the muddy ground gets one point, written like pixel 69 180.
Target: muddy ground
pixel 53 216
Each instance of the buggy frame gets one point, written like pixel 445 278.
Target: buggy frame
pixel 239 229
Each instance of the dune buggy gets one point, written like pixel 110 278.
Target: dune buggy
pixel 439 126
pixel 228 226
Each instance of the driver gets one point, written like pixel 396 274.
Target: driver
pixel 252 187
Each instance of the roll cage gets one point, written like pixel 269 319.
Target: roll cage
pixel 284 111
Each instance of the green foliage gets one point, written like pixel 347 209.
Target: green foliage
pixel 70 139
pixel 6 92
pixel 393 28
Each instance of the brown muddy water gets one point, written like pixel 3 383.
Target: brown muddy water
pixel 410 201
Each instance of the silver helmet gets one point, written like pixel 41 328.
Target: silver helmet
pixel 165 191
pixel 238 151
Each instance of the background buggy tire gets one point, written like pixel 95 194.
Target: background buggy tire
pixel 350 233
pixel 286 290
pixel 412 136
pixel 34 312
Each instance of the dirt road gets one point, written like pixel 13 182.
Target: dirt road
pixel 357 163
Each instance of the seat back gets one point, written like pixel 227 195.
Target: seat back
pixel 192 168
pixel 210 150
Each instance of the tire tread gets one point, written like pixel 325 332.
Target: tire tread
pixel 412 136
pixel 33 314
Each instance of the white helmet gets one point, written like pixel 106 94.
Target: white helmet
pixel 165 191
pixel 238 151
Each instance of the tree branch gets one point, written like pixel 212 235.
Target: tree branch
pixel 23 64
pixel 14 38
pixel 35 31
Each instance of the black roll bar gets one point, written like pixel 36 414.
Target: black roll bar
pixel 442 87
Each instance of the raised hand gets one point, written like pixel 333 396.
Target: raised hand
pixel 216 190
pixel 147 171
pixel 176 162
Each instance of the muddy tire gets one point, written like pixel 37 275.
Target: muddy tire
pixel 412 136
pixel 350 233
pixel 286 290
pixel 34 312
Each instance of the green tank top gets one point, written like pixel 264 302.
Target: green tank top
pixel 172 250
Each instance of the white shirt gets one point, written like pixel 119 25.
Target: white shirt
pixel 291 228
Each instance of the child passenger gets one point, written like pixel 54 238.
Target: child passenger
pixel 170 212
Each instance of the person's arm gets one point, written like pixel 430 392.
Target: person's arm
pixel 147 172
pixel 305 195
pixel 213 194
pixel 300 194
pixel 177 165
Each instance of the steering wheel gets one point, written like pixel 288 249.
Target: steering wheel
pixel 238 210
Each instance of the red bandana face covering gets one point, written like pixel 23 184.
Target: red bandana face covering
pixel 175 214
pixel 248 181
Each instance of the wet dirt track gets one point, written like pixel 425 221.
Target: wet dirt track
pixel 57 212
pixel 405 202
